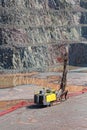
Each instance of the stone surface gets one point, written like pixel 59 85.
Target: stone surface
pixel 78 55
pixel 37 23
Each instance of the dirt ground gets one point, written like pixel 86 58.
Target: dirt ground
pixel 68 115
pixel 13 80
pixel 36 118
pixel 52 81
pixel 4 105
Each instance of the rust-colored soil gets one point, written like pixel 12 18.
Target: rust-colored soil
pixel 4 105
pixel 12 80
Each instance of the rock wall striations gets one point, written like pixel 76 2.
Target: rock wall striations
pixel 34 33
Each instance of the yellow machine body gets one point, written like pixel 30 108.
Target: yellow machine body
pixel 51 97
pixel 45 97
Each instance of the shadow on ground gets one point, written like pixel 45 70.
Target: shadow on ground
pixel 35 107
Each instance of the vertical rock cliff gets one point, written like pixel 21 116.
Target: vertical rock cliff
pixel 34 33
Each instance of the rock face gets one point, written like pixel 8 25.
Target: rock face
pixel 84 19
pixel 31 57
pixel 32 32
pixel 78 52
pixel 78 55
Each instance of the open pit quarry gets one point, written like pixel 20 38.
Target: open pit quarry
pixel 34 37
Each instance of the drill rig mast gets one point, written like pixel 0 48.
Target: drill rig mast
pixel 64 75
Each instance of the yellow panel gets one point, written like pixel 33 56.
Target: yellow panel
pixel 50 97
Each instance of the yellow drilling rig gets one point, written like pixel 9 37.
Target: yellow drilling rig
pixel 47 97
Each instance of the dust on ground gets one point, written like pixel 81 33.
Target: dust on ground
pixel 45 79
